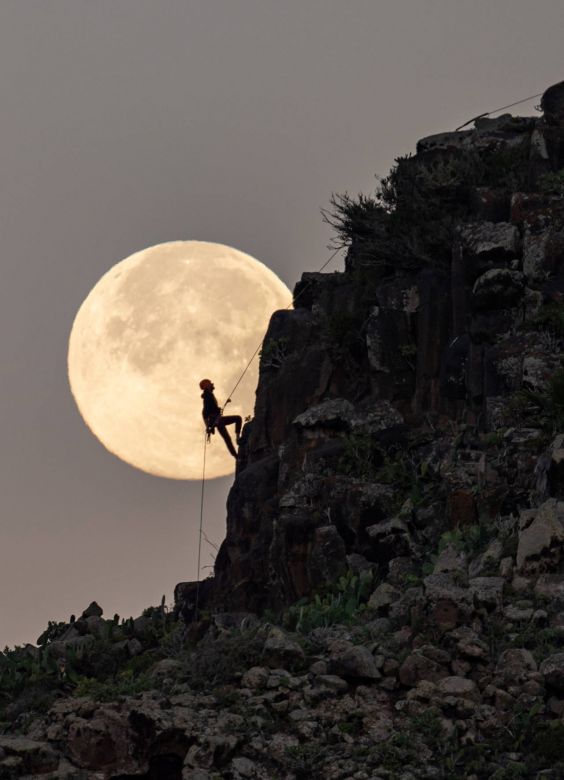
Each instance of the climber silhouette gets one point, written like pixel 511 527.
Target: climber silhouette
pixel 213 417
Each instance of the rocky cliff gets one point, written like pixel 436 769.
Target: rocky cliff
pixel 409 394
pixel 388 602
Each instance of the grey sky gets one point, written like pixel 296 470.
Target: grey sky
pixel 126 123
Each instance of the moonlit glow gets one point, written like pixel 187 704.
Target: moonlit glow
pixel 151 328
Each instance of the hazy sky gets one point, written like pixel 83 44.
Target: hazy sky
pixel 126 123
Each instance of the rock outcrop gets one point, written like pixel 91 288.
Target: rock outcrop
pixel 388 602
pixel 406 364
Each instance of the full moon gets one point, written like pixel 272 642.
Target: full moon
pixel 155 325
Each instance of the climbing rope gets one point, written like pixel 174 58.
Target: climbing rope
pixel 257 350
pixel 253 356
pixel 501 108
pixel 201 524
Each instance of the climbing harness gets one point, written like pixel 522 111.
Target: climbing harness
pixel 207 434
pixel 502 108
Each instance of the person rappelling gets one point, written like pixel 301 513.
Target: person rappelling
pixel 215 419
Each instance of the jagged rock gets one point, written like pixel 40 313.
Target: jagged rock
pixel 93 610
pixel 498 288
pixel 541 542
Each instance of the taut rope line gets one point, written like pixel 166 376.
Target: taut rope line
pixel 501 108
pixel 201 524
pixel 253 356
pixel 257 350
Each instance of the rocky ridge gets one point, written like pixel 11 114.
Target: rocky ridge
pixel 389 598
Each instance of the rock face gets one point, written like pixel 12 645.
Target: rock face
pixel 381 358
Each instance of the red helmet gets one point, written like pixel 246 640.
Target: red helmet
pixel 206 384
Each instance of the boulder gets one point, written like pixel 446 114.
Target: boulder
pixel 255 677
pixel 458 687
pixel 541 543
pixel 355 662
pixel 468 643
pixel 498 288
pixel 516 662
pixel 101 742
pixel 93 610
pixel 383 597
pixel 280 650
pixel 490 240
